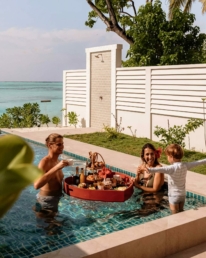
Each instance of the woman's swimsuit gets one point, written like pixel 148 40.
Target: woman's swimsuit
pixel 149 182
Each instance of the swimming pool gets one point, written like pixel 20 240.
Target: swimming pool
pixel 22 234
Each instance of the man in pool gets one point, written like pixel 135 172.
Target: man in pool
pixel 50 183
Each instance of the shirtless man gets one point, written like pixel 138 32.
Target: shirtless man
pixel 50 184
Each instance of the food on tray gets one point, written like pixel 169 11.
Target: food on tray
pixel 90 178
pixel 93 178
pixel 92 188
pixel 117 177
pixel 82 185
pixel 105 172
pixel 100 187
pixel 114 182
pixel 107 185
pixel 121 188
pixel 105 190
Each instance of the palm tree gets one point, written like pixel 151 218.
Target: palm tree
pixel 203 5
pixel 187 4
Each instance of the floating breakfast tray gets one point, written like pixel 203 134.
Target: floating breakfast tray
pixel 98 195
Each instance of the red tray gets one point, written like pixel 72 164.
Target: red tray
pixel 98 195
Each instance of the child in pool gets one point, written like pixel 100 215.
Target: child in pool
pixel 176 176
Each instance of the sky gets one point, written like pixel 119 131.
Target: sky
pixel 41 38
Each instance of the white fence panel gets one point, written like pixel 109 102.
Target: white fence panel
pixel 178 91
pixel 130 89
pixel 74 93
pixel 75 88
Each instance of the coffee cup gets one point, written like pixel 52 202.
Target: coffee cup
pixel 117 177
pixel 71 162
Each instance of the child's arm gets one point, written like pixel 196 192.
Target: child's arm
pixel 195 163
pixel 166 170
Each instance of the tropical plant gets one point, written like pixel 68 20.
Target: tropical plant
pixel 56 120
pixel 186 4
pixel 177 133
pixel 183 43
pixel 162 42
pixel 18 117
pixel 5 121
pixel 153 40
pixel 112 132
pixel 73 118
pixel 204 51
pixel 16 170
pixel 44 119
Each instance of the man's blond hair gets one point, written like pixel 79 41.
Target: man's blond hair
pixel 52 138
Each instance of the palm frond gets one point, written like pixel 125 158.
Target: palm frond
pixel 203 5
pixel 188 6
pixel 173 4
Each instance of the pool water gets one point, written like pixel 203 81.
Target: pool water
pixel 26 233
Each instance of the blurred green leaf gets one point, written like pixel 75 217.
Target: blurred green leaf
pixel 16 170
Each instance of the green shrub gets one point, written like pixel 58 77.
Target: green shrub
pixel 56 120
pixel 18 117
pixel 177 133
pixel 44 119
pixel 73 118
pixel 112 133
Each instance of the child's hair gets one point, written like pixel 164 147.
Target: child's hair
pixel 52 138
pixel 175 151
pixel 151 147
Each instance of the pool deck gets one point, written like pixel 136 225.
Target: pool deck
pixel 180 235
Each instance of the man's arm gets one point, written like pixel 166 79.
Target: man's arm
pixel 48 175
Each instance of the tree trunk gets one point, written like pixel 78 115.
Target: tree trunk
pixel 112 24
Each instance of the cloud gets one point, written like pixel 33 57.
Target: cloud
pixel 34 38
pixel 32 41
pixel 34 54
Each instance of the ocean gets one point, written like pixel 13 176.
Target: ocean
pixel 13 94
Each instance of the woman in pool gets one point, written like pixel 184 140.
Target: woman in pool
pixel 149 183
pixel 50 184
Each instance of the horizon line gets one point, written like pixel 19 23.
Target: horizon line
pixel 31 81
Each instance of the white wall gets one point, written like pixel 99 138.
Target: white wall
pixel 134 119
pixel 144 96
pixel 74 95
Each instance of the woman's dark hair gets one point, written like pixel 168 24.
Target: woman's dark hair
pixel 149 146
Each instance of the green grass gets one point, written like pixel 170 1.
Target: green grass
pixel 133 145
